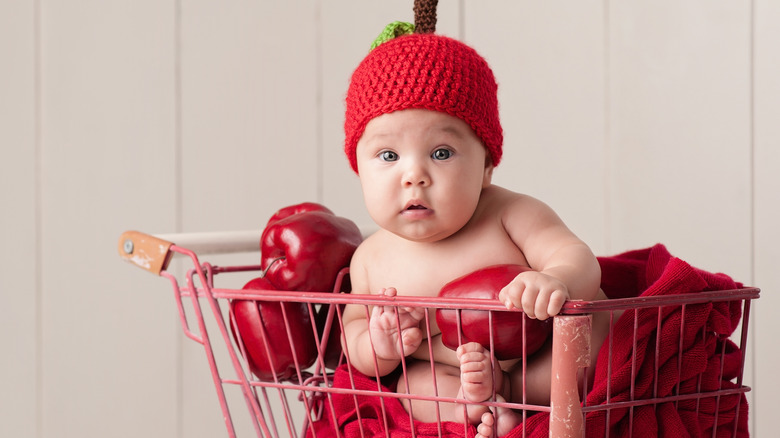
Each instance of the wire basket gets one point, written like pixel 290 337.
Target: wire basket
pixel 640 373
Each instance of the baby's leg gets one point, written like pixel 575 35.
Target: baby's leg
pixel 474 381
pixel 420 381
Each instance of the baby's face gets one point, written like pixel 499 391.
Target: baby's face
pixel 422 173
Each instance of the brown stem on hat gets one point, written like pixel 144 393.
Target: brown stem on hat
pixel 425 16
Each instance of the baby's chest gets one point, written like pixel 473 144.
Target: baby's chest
pixel 425 274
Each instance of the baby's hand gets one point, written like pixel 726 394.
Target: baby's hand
pixel 538 294
pixel 385 330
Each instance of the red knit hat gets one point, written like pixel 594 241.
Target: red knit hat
pixel 425 71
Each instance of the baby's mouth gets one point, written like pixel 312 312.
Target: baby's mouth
pixel 416 207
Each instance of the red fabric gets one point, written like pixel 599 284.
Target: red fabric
pixel 354 414
pixel 648 272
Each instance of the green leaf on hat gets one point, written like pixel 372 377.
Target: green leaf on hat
pixel 392 30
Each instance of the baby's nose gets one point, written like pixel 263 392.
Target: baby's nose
pixel 416 175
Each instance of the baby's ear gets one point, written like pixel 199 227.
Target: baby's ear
pixel 487 176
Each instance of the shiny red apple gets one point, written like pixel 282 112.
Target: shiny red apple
pixel 272 349
pixel 508 336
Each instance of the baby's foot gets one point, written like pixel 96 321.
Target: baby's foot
pixel 476 374
pixel 485 428
pixel 477 379
pixel 504 421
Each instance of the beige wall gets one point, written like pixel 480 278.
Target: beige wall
pixel 640 122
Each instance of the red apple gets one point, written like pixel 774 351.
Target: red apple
pixel 305 251
pixel 295 209
pixel 507 325
pixel 304 247
pixel 266 339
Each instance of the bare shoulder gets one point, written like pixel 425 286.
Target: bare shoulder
pixel 528 221
pixel 512 205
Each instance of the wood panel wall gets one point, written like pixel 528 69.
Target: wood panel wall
pixel 638 122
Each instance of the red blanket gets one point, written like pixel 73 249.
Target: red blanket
pixel 647 272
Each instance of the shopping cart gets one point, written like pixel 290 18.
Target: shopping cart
pixel 643 375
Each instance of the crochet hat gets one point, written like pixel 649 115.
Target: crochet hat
pixel 424 71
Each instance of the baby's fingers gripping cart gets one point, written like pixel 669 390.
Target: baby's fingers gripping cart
pixel 672 363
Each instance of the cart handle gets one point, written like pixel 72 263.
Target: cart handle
pixel 153 252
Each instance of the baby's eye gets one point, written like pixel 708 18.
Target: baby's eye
pixel 388 156
pixel 441 154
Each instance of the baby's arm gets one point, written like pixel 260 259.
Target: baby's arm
pixel 564 266
pixel 378 337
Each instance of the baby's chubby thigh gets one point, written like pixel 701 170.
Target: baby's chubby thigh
pixel 442 381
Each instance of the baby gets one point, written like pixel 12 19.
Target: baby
pixel 423 135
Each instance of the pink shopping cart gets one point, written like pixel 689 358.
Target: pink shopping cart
pixel 672 364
